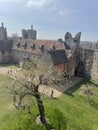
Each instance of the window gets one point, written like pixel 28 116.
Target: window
pixel 25 46
pixel 41 48
pixel 18 44
pixel 33 46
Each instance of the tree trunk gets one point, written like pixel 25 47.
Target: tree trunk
pixel 40 105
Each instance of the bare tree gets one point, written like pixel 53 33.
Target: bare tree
pixel 27 83
pixel 15 35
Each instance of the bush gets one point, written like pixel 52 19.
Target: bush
pixel 56 121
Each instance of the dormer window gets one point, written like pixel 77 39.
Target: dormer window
pixel 33 46
pixel 25 46
pixel 41 48
pixel 18 44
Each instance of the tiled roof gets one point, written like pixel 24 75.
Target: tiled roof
pixel 36 46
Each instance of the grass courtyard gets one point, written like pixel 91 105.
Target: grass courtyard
pixel 70 111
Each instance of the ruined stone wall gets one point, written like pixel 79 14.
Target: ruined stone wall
pixel 88 60
pixel 86 57
pixel 94 68
pixel 89 57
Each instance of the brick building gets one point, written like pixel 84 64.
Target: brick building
pixel 61 53
pixel 28 48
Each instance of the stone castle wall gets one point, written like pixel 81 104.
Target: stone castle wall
pixel 86 57
pixel 94 68
pixel 89 57
pixel 6 57
pixel 18 56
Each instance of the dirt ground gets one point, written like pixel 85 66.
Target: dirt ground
pixel 58 90
pixel 47 90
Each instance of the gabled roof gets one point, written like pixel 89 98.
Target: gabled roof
pixel 46 45
pixel 58 56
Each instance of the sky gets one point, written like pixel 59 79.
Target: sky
pixel 51 18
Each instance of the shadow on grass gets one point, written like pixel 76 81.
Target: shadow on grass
pixel 71 90
pixel 49 127
pixel 94 83
pixel 8 64
pixel 5 64
pixel 57 120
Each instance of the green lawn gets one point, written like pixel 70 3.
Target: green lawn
pixel 6 107
pixel 70 111
pixel 8 65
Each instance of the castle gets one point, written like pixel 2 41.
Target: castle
pixel 66 55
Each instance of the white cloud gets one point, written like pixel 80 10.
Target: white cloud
pixel 65 12
pixel 38 3
pixel 61 12
pixel 10 1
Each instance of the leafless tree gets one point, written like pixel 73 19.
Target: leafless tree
pixel 27 83
pixel 15 35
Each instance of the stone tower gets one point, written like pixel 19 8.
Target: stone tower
pixel 29 34
pixel 3 33
pixel 73 42
pixel 94 69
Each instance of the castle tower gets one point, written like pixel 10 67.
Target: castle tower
pixel 29 34
pixel 24 33
pixel 3 33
